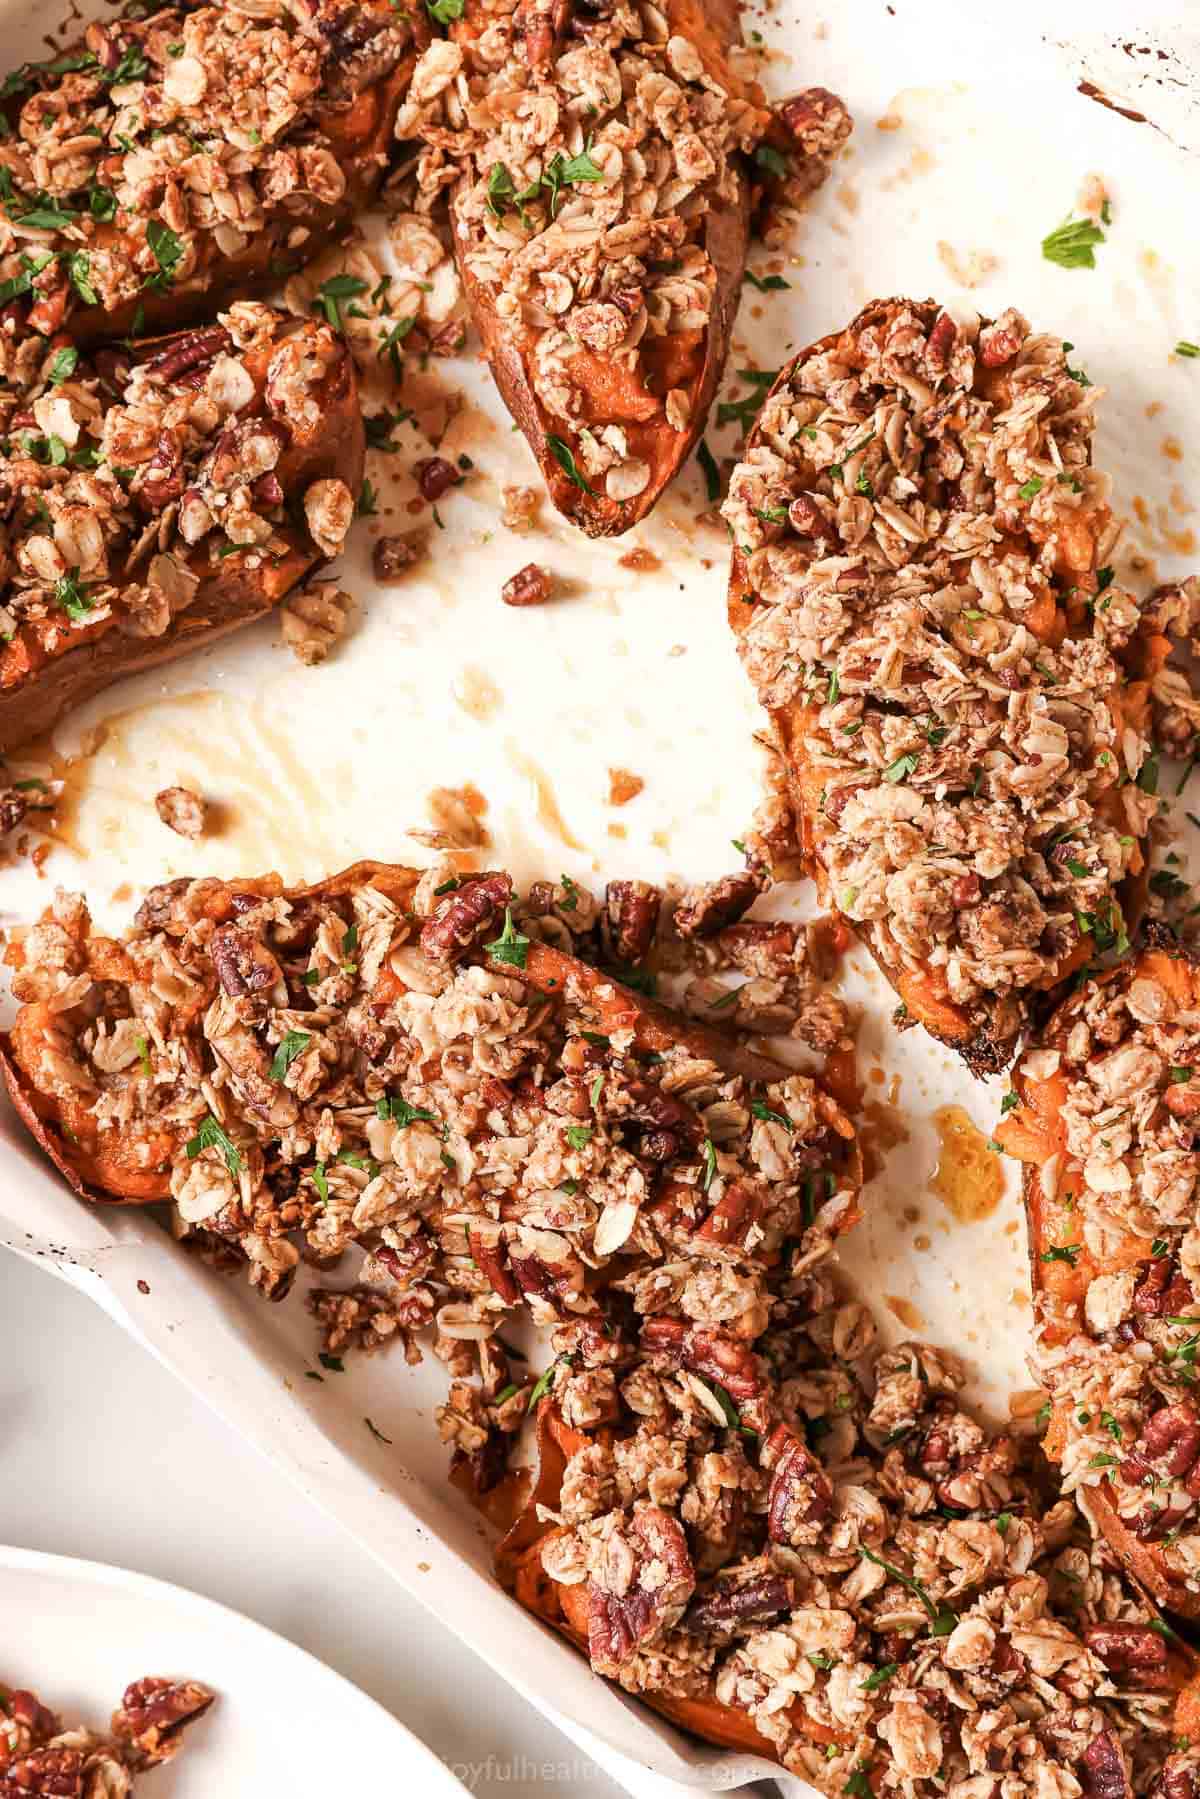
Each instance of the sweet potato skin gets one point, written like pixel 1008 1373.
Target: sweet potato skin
pixel 1034 1133
pixel 32 704
pixel 726 239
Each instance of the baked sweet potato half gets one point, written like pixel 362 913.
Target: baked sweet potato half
pixel 162 495
pixel 167 160
pixel 923 600
pixel 426 1066
pixel 600 211
pixel 1103 1114
pixel 803 1553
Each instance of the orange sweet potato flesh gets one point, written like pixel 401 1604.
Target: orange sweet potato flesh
pixel 691 360
pixel 518 1562
pixel 44 674
pixel 1034 1132
pixel 1050 617
pixel 125 1169
pixel 360 134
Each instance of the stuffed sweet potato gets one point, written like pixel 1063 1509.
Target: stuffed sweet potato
pixel 600 212
pixel 425 1065
pixel 163 495
pixel 923 600
pixel 193 153
pixel 1103 1115
pixel 820 1556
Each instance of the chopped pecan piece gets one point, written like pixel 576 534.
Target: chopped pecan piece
pixel 631 914
pixel 152 1715
pixel 243 962
pixel 182 811
pixel 705 910
pixel 392 557
pixel 1102 1768
pixel 464 915
pixel 801 1497
pixel 532 585
pixel 644 1581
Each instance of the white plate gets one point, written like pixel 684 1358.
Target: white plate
pixel 283 1723
pixel 971 144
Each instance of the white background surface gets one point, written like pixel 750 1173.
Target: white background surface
pixel 104 1455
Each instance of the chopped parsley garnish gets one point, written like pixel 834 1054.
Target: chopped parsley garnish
pixel 167 250
pixel 565 458
pixel 72 595
pixel 858 1786
pixel 941 1619
pixel 769 284
pixel 1073 244
pixel 772 161
pixel 332 292
pixel 1184 348
pixel 401 1113
pixel 710 1164
pixel 63 366
pixel 1178 1075
pixel 321 1183
pixel 1031 488
pixel 1003 1522
pixel 902 767
pixel 542 1384
pixel 143 1050
pixel 1009 1101
pixel 880 1677
pixel 1104 1461
pixel 579 1135
pixel 379 429
pixel 564 171
pixel 291 1045
pixel 79 272
pixel 334 1363
pixel 45 218
pixel 367 503
pixel 389 345
pixel 510 946
pixel 771 515
pixel 444 11
pixel 765 1113
pixel 211 1136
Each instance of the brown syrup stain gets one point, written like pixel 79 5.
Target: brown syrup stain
pixel 905 1311
pixel 546 807
pixel 477 694
pixel 968 1178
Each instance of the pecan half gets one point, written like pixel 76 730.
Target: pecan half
pixel 631 914
pixel 705 910
pixel 728 1602
pixel 152 1715
pixel 463 916
pixel 53 1772
pixel 243 963
pixel 1102 1769
pixel 713 1354
pixel 800 1496
pixel 194 350
pixel 1130 1649
pixel 645 1579
pixel 538 27
pixel 488 1251
pixel 162 480
pixel 733 1218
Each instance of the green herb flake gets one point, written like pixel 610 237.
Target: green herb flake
pixel 291 1045
pixel 401 1113
pixel 1031 488
pixel 1073 244
pixel 710 1164
pixel 510 946
pixel 565 458
pixel 1184 348
pixel 544 1381
pixel 770 284
pixel 211 1136
pixel 765 1113
pixel 579 1135
pixel 902 767
pixel 880 1677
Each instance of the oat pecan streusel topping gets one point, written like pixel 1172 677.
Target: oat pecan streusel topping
pixel 581 166
pixel 925 548
pixel 38 1755
pixel 1117 1074
pixel 847 1555
pixel 164 144
pixel 372 1062
pixel 128 479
